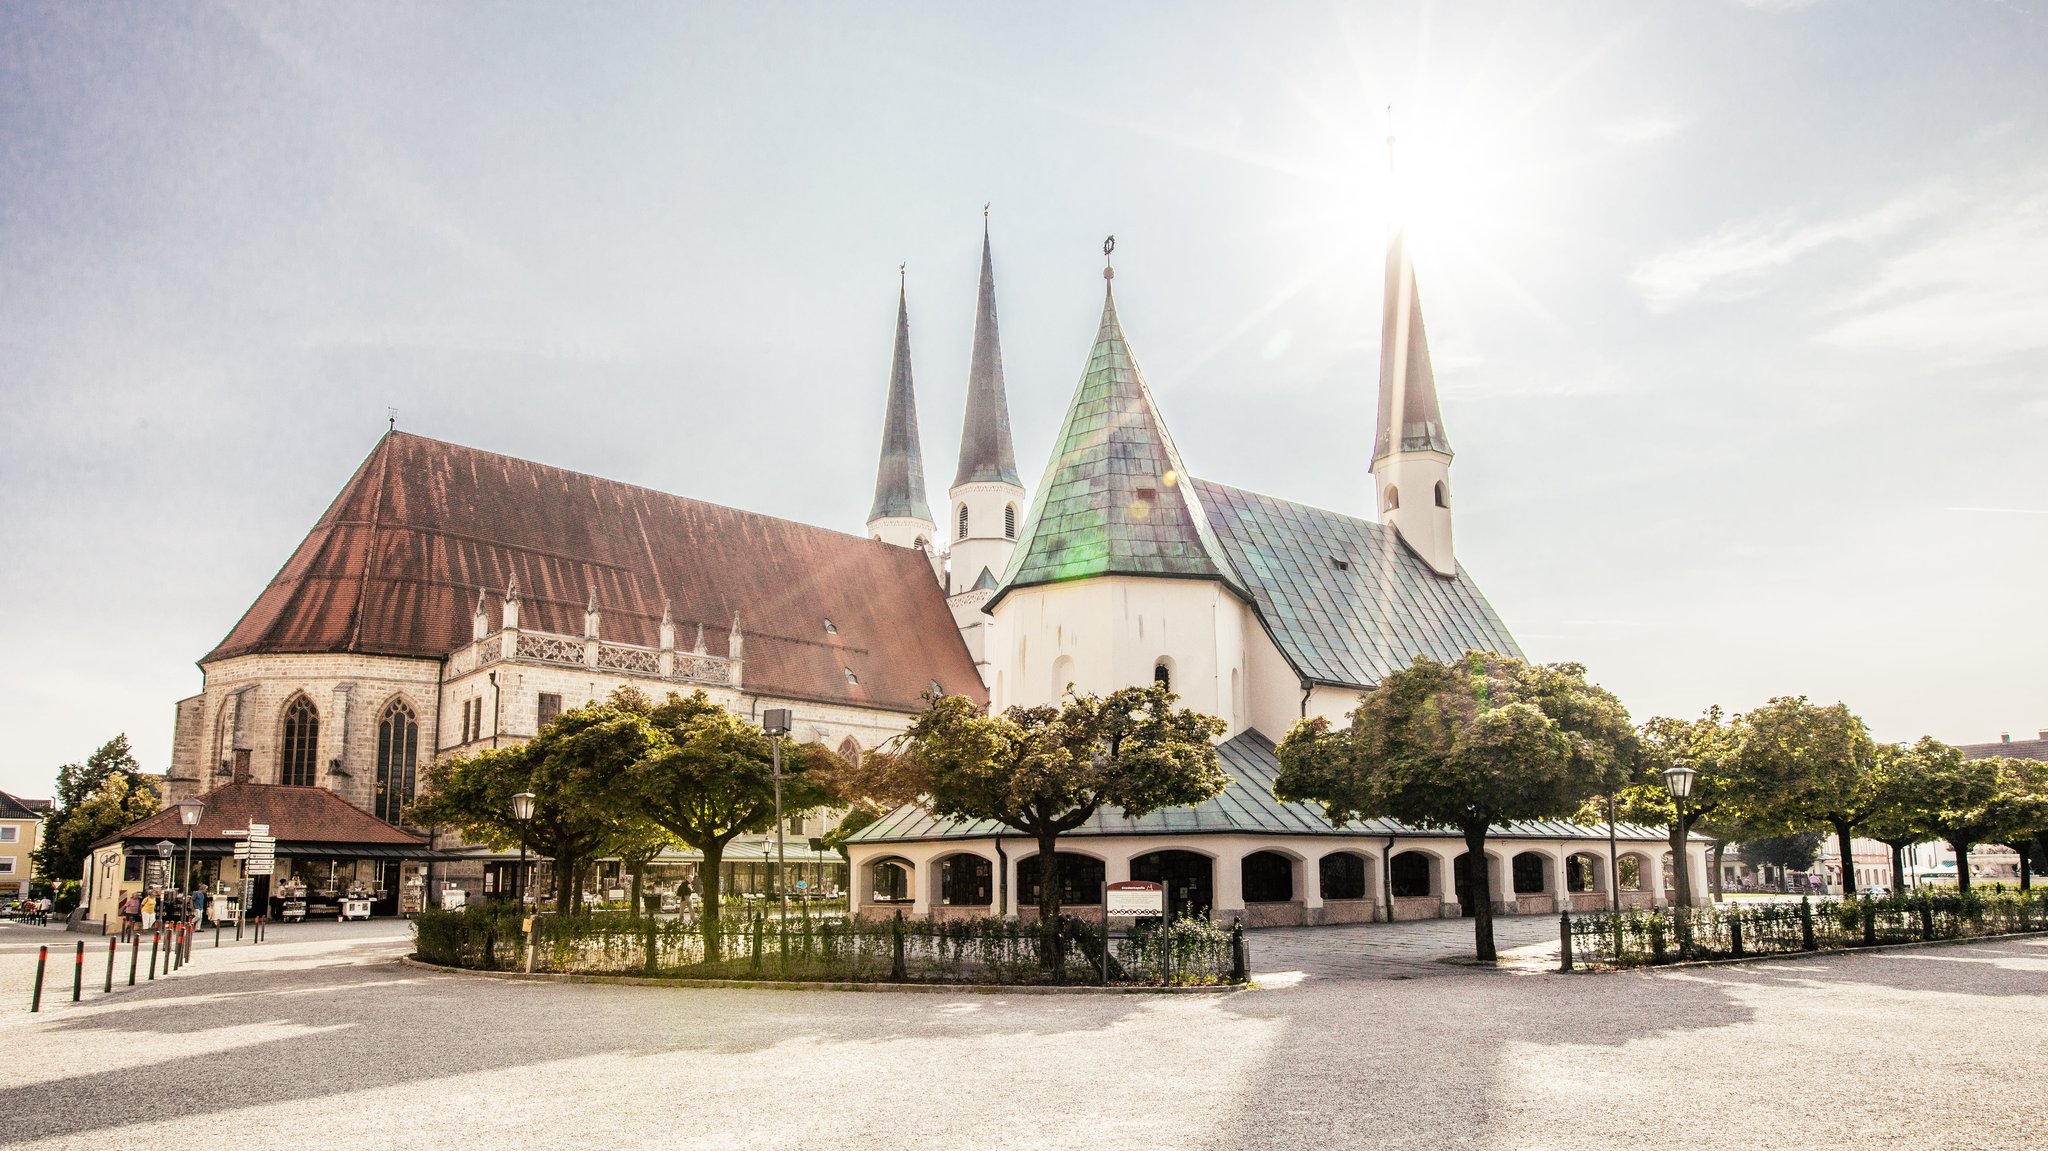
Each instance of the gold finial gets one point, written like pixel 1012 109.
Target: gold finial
pixel 1108 270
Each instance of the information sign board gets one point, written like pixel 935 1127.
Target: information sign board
pixel 1133 899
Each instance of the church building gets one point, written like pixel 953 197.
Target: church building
pixel 453 599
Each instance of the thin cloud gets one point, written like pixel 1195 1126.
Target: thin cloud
pixel 1737 260
pixel 1642 128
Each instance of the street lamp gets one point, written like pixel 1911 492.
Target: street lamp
pixel 522 810
pixel 775 721
pixel 189 811
pixel 1678 781
pixel 164 848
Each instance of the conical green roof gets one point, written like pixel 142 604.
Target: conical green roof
pixel 899 480
pixel 1116 499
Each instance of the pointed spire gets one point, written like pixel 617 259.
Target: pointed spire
pixel 899 482
pixel 590 618
pixel 735 644
pixel 1116 498
pixel 668 626
pixel 511 612
pixel 698 648
pixel 1407 383
pixel 986 454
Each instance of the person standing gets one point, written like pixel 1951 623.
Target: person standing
pixel 131 914
pixel 198 907
pixel 149 906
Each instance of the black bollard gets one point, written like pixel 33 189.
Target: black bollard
pixel 78 972
pixel 35 1002
pixel 1735 937
pixel 154 939
pixel 113 945
pixel 1238 974
pixel 216 933
pixel 1564 940
pixel 1806 940
pixel 134 955
pixel 896 969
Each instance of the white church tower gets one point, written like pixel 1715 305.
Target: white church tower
pixel 900 514
pixel 1411 455
pixel 987 499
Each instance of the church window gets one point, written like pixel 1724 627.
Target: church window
pixel 1010 522
pixel 1162 675
pixel 921 544
pixel 1443 495
pixel 398 742
pixel 1393 497
pixel 301 745
pixel 963 523
pixel 550 707
pixel 849 750
pixel 831 628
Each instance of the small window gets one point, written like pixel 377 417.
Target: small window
pixel 10 833
pixel 1393 498
pixel 831 628
pixel 850 677
pixel 550 707
pixel 1010 522
pixel 937 690
pixel 1163 676
pixel 1443 495
pixel 796 825
pixel 6 865
pixel 921 544
pixel 963 522
pixel 1341 565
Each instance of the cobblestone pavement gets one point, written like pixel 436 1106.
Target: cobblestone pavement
pixel 1419 948
pixel 321 1038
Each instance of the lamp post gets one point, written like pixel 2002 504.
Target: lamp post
pixel 1678 781
pixel 189 812
pixel 522 810
pixel 775 721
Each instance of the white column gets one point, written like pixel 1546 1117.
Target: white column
pixel 1560 867
pixel 1227 877
pixel 1308 886
pixel 1448 906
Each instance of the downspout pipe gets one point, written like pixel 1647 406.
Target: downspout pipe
pixel 1002 878
pixel 1387 875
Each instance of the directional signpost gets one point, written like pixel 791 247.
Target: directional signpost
pixel 1129 900
pixel 257 852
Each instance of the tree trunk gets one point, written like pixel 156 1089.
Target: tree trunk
pixel 634 906
pixel 1681 868
pixel 1898 867
pixel 1049 902
pixel 1714 880
pixel 708 882
pixel 565 883
pixel 1480 884
pixel 1845 842
pixel 1962 850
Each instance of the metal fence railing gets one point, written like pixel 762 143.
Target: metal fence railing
pixel 1738 930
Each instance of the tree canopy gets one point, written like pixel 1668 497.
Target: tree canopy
pixel 94 799
pixel 1803 765
pixel 1482 741
pixel 1047 770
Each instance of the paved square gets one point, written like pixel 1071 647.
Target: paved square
pixel 321 1038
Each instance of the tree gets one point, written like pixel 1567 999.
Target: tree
pixel 2021 810
pixel 1707 746
pixel 1903 789
pixel 94 799
pixel 1964 811
pixel 1470 745
pixel 1802 765
pixel 707 776
pixel 1047 770
pixel 573 768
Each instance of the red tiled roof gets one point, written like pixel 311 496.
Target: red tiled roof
pixel 395 564
pixel 295 815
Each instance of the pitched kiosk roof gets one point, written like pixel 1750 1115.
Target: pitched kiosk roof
pixel 986 452
pixel 1115 499
pixel 295 815
pixel 1246 806
pixel 899 481
pixel 1344 599
pixel 1404 364
pixel 395 564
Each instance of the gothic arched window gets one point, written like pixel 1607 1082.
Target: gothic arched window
pixel 1443 495
pixel 849 750
pixel 1393 498
pixel 1162 675
pixel 963 523
pixel 398 747
pixel 299 750
pixel 1010 521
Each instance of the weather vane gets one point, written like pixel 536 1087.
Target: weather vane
pixel 1108 246
pixel 984 210
pixel 392 413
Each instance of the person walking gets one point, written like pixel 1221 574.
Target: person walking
pixel 198 908
pixel 131 914
pixel 149 906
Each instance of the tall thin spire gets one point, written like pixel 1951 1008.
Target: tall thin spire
pixel 1407 382
pixel 986 453
pixel 899 482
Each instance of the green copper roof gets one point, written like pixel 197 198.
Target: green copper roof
pixel 1404 364
pixel 899 481
pixel 986 454
pixel 1115 499
pixel 1246 806
pixel 1344 599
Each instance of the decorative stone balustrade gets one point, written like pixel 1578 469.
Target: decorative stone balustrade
pixel 518 646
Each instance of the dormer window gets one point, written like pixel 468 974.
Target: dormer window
pixel 1342 565
pixel 937 690
pixel 830 627
pixel 850 677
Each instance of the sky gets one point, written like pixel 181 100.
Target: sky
pixel 1738 310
